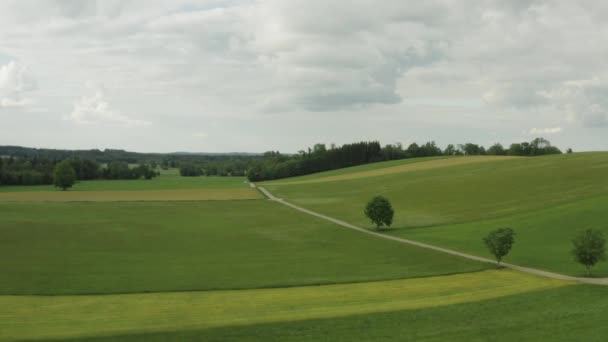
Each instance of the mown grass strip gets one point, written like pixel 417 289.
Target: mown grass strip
pixel 116 196
pixel 39 317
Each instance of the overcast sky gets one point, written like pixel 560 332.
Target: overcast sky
pixel 220 76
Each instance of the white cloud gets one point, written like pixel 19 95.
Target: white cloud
pixel 443 70
pixel 201 135
pixel 94 108
pixel 15 83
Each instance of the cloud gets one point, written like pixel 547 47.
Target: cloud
pixel 341 55
pixel 201 135
pixel 432 69
pixel 15 83
pixel 94 108
pixel 552 130
pixel 583 101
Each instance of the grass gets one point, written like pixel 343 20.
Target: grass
pixel 76 248
pixel 387 168
pixel 570 313
pixel 543 237
pixel 455 206
pixel 69 316
pixel 355 169
pixel 142 195
pixel 163 182
pixel 259 271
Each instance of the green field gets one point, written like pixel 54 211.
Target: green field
pixel 68 248
pixel 547 200
pixel 571 313
pixel 79 316
pixel 159 183
pixel 113 267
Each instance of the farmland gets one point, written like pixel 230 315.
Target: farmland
pixel 160 265
pixel 70 316
pixel 545 199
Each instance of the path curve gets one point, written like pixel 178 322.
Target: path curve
pixel 595 281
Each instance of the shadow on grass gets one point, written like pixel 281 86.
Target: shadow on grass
pixel 559 314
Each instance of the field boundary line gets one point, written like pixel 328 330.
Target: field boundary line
pixel 595 281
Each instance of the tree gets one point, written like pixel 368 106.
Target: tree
pixel 499 242
pixel 496 150
pixel 450 150
pixel 118 170
pixel 589 248
pixel 65 176
pixel 380 211
pixel 471 149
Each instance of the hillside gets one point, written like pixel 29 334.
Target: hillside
pixel 547 200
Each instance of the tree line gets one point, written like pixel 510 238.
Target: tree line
pixel 275 165
pixel 225 167
pixel 40 171
pixel 30 166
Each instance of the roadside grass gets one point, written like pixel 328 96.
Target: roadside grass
pixel 142 195
pixel 570 313
pixel 126 247
pixel 387 168
pixel 44 317
pixel 164 182
pixel 455 206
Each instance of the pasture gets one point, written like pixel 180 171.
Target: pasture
pixel 547 200
pixel 71 248
pixel 165 260
pixel 130 196
pixel 158 183
pixel 79 316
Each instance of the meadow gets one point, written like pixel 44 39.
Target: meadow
pixel 75 248
pixel 164 182
pixel 57 317
pixel 547 200
pixel 105 267
pixel 164 188
pixel 570 313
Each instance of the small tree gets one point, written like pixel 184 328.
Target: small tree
pixel 380 211
pixel 65 176
pixel 499 242
pixel 589 248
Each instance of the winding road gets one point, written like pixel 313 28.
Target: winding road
pixel 595 281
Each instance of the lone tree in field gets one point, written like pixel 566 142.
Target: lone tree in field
pixel 499 242
pixel 380 211
pixel 589 248
pixel 65 176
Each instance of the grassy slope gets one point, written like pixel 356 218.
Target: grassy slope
pixel 65 316
pixel 159 183
pixel 403 167
pixel 476 193
pixel 353 169
pixel 63 248
pixel 573 313
pixel 543 236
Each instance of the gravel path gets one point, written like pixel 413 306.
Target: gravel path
pixel 596 281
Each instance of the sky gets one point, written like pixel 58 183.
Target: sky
pixel 253 76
